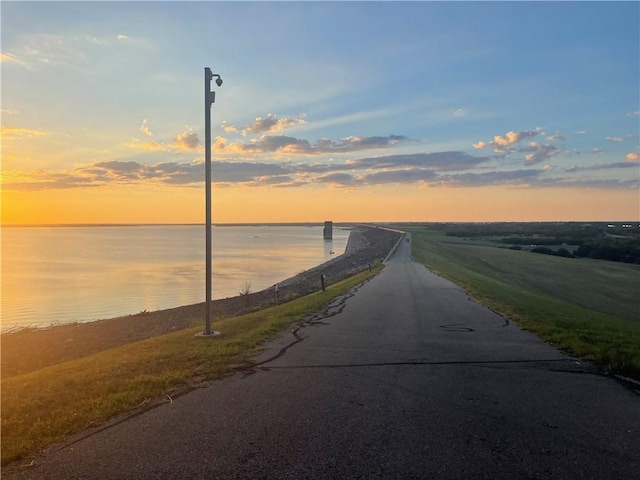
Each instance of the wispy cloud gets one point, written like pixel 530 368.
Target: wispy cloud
pixel 537 153
pixel 17 133
pixel 148 145
pixel 615 139
pixel 187 141
pixel 144 128
pixel 602 166
pixel 46 49
pixel 10 58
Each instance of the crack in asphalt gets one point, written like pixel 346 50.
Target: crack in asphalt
pixel 334 308
pixel 428 363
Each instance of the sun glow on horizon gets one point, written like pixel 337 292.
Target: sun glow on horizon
pixel 267 205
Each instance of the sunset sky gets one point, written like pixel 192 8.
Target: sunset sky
pixel 359 111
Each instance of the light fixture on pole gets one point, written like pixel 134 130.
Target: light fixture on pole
pixel 209 99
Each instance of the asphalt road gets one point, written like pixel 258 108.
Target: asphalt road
pixel 404 379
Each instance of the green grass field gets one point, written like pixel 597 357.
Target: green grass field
pixel 590 308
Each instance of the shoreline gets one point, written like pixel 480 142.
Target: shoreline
pixel 59 343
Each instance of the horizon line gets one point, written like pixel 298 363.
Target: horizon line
pixel 309 223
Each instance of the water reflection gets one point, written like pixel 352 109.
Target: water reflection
pixel 62 274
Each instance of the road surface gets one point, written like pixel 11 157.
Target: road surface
pixel 405 378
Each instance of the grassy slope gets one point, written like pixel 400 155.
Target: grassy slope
pixel 586 307
pixel 42 407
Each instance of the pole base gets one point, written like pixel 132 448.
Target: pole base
pixel 215 333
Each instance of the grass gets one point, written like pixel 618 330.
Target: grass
pixel 47 405
pixel 588 308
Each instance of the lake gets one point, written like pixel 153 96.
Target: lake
pixel 79 274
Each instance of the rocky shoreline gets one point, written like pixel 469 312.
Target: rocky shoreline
pixel 367 245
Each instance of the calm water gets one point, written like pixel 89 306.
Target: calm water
pixel 69 274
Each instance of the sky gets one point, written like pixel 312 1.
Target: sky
pixel 343 111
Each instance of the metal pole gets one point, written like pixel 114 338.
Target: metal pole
pixel 207 176
pixel 209 98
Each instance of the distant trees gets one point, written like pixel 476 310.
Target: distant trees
pixel 598 240
pixel 561 252
pixel 612 249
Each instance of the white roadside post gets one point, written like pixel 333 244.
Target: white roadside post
pixel 209 99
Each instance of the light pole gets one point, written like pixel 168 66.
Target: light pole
pixel 209 99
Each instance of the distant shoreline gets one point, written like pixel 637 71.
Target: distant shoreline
pixel 320 223
pixel 270 224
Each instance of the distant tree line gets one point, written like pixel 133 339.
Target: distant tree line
pixel 599 240
pixel 614 250
pixel 561 252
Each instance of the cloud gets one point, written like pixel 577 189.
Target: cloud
pixel 186 141
pixel 296 146
pixel 512 137
pixel 615 139
pixel 597 150
pixel 581 132
pixel 414 175
pixel 35 180
pixel 460 112
pixel 147 145
pixel 17 133
pixel 437 169
pixel 344 179
pixel 514 177
pixel 228 128
pixel 500 143
pixel 631 114
pixel 144 128
pixel 10 58
pixel 443 161
pixel 271 123
pixel 537 153
pixel 588 183
pixel 603 166
pixel 122 37
pixel 557 138
pixel 633 157
pixel 50 48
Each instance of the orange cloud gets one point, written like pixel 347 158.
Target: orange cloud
pixel 147 145
pixel 8 58
pixel 510 138
pixel 633 157
pixel 186 141
pixel 16 133
pixel 144 128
